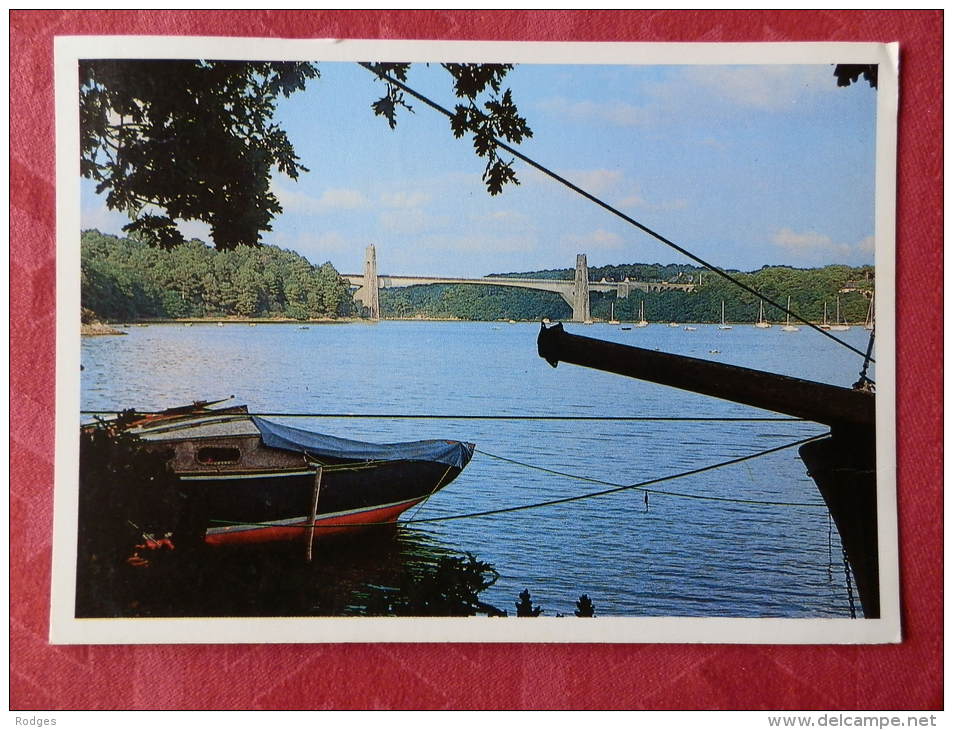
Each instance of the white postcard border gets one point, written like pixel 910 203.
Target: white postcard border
pixel 66 629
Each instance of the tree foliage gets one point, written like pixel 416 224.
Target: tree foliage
pixel 188 140
pixel 809 289
pixel 486 111
pixel 122 278
pixel 196 140
pixel 849 73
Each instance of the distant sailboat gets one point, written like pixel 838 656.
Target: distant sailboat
pixel 723 326
pixel 788 327
pixel 869 323
pixel 612 319
pixel 762 323
pixel 824 325
pixel 838 325
pixel 642 322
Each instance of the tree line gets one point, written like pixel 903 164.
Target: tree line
pixel 123 279
pixel 809 289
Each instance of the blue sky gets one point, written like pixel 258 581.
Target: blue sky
pixel 743 165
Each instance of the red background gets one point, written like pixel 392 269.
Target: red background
pixel 477 676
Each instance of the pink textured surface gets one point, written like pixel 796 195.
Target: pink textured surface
pixel 906 676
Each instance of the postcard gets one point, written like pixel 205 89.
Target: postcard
pixel 366 341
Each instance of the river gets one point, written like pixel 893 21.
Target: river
pixel 674 556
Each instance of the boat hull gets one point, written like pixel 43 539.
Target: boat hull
pixel 264 507
pixel 299 529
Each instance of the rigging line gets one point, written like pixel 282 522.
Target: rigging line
pixel 616 212
pixel 641 486
pixel 457 417
pixel 593 480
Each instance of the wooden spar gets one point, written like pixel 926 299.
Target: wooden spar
pixel 820 402
pixel 842 465
pixel 314 507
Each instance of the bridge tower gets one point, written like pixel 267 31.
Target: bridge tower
pixel 580 294
pixel 370 291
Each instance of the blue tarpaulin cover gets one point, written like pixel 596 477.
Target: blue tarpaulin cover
pixel 287 438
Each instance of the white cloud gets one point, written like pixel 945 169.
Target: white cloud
pixel 408 220
pixel 342 198
pixel 195 229
pixel 711 90
pixel 508 219
pixel 618 113
pixel 636 200
pixel 765 88
pixel 295 201
pixel 102 219
pixel 867 245
pixel 404 199
pixel 793 241
pixel 597 181
pixel 317 247
pixel 814 247
pixel 486 243
pixel 597 240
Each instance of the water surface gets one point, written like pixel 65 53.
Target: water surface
pixel 674 557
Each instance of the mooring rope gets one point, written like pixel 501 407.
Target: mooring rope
pixel 615 488
pixel 614 211
pixel 465 417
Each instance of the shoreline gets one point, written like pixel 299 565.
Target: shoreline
pixel 112 328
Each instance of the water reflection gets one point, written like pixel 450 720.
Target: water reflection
pixel 380 572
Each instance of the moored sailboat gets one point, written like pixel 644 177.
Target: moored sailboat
pixel 788 327
pixel 642 321
pixel 762 323
pixel 839 325
pixel 723 326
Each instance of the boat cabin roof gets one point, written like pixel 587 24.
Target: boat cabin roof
pixel 210 426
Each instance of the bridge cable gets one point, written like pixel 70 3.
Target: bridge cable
pixel 640 486
pixel 614 211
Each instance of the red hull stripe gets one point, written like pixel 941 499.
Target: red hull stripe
pixel 249 534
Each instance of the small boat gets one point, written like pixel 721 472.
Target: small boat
pixel 625 327
pixel 673 324
pixel 723 326
pixel 762 323
pixel 612 319
pixel 788 327
pixel 692 329
pixel 825 325
pixel 839 325
pixel 642 321
pixel 221 324
pixel 251 480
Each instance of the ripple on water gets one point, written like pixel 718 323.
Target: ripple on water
pixel 682 557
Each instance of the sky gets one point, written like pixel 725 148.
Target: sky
pixel 744 166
